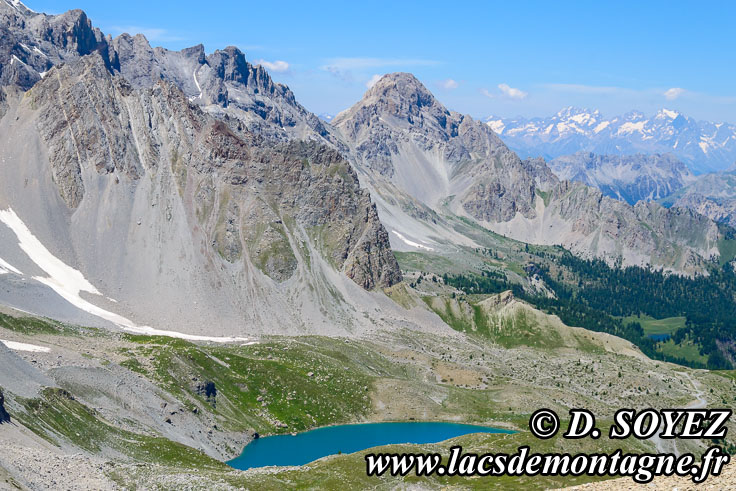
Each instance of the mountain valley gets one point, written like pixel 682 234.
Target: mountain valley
pixel 190 260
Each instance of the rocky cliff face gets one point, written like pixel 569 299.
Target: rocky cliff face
pixel 630 178
pixel 223 83
pixel 402 133
pixel 31 43
pixel 645 232
pixel 254 185
pixel 406 143
pixel 721 210
pixel 162 197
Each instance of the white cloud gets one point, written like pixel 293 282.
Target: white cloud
pixel 505 91
pixel 673 93
pixel 375 78
pixel 511 92
pixel 273 66
pixel 151 33
pixel 449 84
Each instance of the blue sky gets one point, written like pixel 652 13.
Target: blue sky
pixel 504 58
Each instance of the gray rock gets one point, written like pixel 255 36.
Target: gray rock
pixel 31 43
pixel 198 209
pixel 4 416
pixel 630 178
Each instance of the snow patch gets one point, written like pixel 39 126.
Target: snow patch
pixel 18 3
pixel 411 243
pixel 6 268
pixel 61 275
pixel 601 126
pixel 196 82
pixel 32 348
pixel 496 126
pixel 670 114
pixel 68 283
pixel 582 118
pixel 630 127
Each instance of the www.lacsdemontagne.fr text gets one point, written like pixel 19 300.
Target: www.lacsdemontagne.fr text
pixel 689 424
pixel 642 468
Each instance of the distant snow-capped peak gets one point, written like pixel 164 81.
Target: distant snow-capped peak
pixel 702 145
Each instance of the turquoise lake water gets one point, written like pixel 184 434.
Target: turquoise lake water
pixel 311 445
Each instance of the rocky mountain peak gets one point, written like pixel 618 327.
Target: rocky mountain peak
pixel 667 114
pixel 230 65
pixel 31 43
pixel 258 223
pixel 570 111
pixel 398 104
pixel 400 132
pixel 401 82
pixel 402 95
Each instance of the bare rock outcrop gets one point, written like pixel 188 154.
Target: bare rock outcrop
pixel 4 416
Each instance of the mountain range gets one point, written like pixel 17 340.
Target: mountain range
pixel 198 177
pixel 704 146
pixel 190 260
pixel 427 166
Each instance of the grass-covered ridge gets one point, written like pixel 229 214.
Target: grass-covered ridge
pixel 631 302
pixel 34 325
pixel 507 322
pixel 273 387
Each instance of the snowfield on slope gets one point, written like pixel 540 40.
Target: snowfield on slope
pixel 31 348
pixel 411 242
pixel 68 283
pixel 6 268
